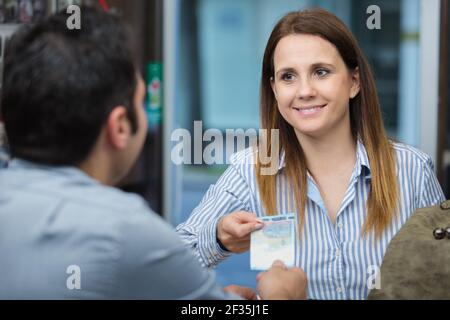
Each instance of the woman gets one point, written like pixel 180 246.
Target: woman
pixel 351 187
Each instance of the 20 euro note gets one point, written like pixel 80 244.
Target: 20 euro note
pixel 275 241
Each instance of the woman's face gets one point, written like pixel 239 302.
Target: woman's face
pixel 312 85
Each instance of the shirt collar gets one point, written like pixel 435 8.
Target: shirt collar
pixel 362 161
pixel 69 171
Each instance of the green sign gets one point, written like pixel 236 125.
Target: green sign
pixel 154 102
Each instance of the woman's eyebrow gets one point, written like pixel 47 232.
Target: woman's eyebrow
pixel 285 70
pixel 322 64
pixel 312 66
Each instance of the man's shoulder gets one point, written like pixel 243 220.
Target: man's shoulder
pixel 66 193
pixel 111 198
pixel 98 197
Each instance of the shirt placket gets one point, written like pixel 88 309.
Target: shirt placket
pixel 339 229
pixel 336 271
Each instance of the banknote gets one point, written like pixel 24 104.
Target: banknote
pixel 275 241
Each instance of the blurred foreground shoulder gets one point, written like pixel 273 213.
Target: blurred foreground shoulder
pixel 417 262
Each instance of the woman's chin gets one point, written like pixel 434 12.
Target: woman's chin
pixel 310 131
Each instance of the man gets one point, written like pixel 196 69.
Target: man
pixel 72 108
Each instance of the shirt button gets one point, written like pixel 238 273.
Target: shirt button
pixel 338 253
pixel 340 225
pixel 339 290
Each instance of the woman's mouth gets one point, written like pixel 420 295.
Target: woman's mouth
pixel 309 110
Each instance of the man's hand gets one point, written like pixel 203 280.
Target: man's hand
pixel 280 283
pixel 234 230
pixel 243 292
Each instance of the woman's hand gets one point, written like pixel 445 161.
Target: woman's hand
pixel 234 229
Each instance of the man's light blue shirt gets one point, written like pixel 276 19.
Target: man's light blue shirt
pixel 63 235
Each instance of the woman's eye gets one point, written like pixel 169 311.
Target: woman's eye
pixel 321 72
pixel 287 77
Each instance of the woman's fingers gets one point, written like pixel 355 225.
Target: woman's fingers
pixel 234 230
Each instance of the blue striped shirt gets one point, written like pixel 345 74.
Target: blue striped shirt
pixel 338 261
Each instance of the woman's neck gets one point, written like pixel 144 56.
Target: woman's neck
pixel 332 153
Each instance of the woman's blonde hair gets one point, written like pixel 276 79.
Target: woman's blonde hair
pixel 365 119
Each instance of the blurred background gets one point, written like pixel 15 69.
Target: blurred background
pixel 202 59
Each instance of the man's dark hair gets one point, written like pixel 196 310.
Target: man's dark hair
pixel 60 85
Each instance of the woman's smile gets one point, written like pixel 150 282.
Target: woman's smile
pixel 308 111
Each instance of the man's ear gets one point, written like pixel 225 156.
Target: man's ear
pixel 355 83
pixel 118 128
